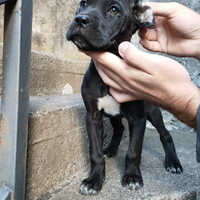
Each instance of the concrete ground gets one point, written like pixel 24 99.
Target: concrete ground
pixel 158 183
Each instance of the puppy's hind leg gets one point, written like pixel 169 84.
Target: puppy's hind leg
pixel 118 128
pixel 172 163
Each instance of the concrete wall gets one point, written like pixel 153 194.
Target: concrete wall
pixel 50 21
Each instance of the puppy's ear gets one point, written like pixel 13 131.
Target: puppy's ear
pixel 143 14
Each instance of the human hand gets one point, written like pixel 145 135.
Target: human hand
pixel 177 31
pixel 154 78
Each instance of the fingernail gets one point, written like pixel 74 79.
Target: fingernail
pixel 122 47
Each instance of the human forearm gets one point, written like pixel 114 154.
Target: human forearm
pixel 186 105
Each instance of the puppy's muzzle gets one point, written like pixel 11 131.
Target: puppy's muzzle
pixel 82 20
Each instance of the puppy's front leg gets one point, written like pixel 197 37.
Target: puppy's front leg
pixel 94 124
pixel 132 175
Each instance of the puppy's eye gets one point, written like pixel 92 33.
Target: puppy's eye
pixel 113 10
pixel 83 4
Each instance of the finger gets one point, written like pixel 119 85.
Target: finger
pixel 108 66
pixel 151 45
pixel 148 34
pixel 106 59
pixel 107 76
pixel 111 65
pixel 164 9
pixel 102 57
pixel 115 67
pixel 136 58
pixel 104 63
pixel 142 32
pixel 121 96
pixel 117 73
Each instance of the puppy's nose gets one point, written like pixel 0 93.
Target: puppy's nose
pixel 82 20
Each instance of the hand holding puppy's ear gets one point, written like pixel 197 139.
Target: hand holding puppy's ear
pixel 176 31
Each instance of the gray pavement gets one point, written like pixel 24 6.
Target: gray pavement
pixel 158 183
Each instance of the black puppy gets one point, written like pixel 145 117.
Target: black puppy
pixel 101 25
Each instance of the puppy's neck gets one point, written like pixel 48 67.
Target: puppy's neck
pixel 115 51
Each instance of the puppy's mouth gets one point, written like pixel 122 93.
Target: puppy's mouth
pixel 85 40
pixel 81 42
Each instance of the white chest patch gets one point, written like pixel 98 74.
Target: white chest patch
pixel 109 104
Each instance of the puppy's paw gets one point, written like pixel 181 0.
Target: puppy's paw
pixel 174 168
pixel 132 182
pixel 110 151
pixel 86 190
pixel 90 187
pixel 173 165
pixel 109 154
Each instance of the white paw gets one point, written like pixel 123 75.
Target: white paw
pixel 135 186
pixel 84 190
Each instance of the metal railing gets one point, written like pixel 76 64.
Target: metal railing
pixel 15 98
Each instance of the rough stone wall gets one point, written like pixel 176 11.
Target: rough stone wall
pixel 50 21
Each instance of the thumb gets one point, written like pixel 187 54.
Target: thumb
pixel 134 57
pixel 124 46
pixel 129 52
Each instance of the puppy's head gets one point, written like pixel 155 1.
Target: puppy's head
pixel 101 25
